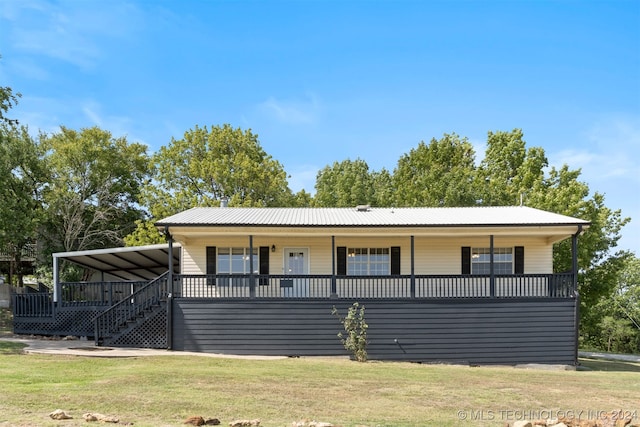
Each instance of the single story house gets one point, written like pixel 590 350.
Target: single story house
pixel 469 285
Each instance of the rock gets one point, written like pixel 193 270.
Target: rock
pixel 244 423
pixel 100 417
pixel 212 422
pixel 90 417
pixel 59 414
pixel 522 424
pixel 195 421
pixel 558 425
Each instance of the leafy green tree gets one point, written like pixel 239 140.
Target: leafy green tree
pixel 22 177
pixel 92 200
pixel 509 170
pixel 207 165
pixel 302 199
pixel 7 100
pixel 613 322
pixel 440 173
pixel 344 184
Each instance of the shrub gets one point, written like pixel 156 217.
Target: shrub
pixel 354 338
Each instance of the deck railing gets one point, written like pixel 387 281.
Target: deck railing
pixel 33 304
pixel 559 285
pixel 76 294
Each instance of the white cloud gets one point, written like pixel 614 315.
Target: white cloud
pixel 70 31
pixel 611 151
pixel 301 111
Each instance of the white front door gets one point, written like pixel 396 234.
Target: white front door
pixel 296 262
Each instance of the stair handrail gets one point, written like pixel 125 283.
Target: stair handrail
pixel 128 309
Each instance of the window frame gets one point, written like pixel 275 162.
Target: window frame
pixel 368 264
pixel 481 256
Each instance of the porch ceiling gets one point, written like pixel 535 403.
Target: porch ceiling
pixel 129 263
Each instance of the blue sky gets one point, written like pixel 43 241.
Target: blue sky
pixel 327 81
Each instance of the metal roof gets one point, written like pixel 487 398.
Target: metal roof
pixel 369 217
pixel 128 263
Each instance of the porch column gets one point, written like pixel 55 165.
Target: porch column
pixel 334 287
pixel 56 279
pixel 413 269
pixel 574 258
pixel 170 261
pixel 252 284
pixel 169 326
pixel 492 277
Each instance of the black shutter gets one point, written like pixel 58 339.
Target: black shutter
pixel 395 259
pixel 518 265
pixel 466 260
pixel 341 260
pixel 264 265
pixel 211 264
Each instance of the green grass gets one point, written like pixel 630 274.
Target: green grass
pixel 6 321
pixel 7 347
pixel 165 390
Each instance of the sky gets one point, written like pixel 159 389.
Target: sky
pixel 327 81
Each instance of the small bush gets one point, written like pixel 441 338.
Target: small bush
pixel 354 338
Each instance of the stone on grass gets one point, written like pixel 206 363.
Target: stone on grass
pixel 59 414
pixel 195 421
pixel 244 423
pixel 95 416
pixel 212 422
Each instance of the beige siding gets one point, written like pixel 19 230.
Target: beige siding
pixel 433 255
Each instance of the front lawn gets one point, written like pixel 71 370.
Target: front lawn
pixel 164 391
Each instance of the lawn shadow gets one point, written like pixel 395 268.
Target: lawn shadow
pixel 608 365
pixel 8 347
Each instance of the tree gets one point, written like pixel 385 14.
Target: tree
pixel 207 165
pixel 438 174
pixel 509 170
pixel 22 177
pixel 93 193
pixel 613 322
pixel 7 100
pixel 345 184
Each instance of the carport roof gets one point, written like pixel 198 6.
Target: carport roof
pixel 128 263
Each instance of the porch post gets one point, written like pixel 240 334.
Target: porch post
pixel 169 291
pixel 574 258
pixel 413 270
pixel 334 287
pixel 56 278
pixel 492 277
pixel 252 285
pixel 170 263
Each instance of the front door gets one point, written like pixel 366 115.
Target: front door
pixel 296 263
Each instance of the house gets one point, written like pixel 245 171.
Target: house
pixel 465 285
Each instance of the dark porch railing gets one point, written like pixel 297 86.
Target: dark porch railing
pixel 33 304
pixel 558 285
pixel 74 294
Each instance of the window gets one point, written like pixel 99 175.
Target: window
pixel 481 260
pixel 368 261
pixel 237 261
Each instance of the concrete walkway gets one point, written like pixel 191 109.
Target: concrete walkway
pixel 88 348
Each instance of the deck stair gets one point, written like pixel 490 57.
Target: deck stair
pixel 139 320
